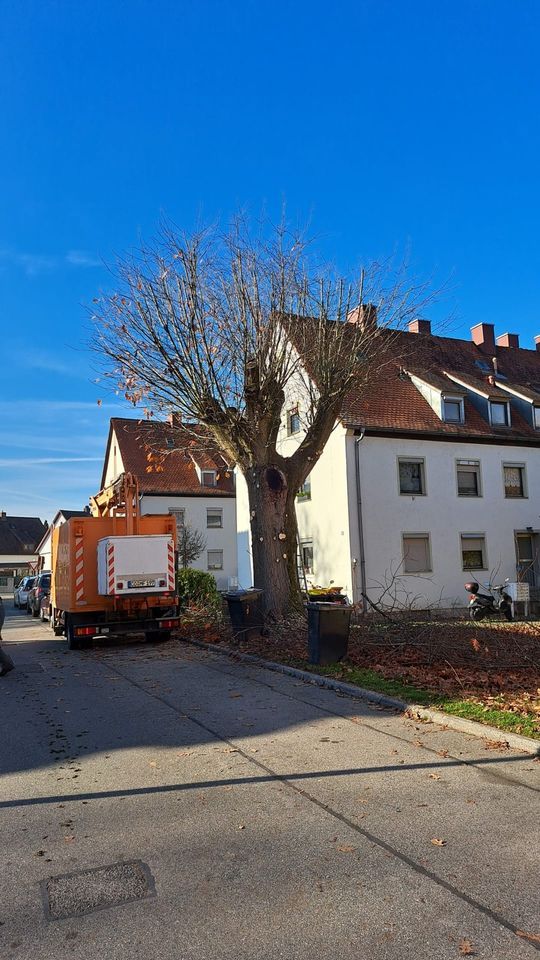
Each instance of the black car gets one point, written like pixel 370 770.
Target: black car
pixel 38 594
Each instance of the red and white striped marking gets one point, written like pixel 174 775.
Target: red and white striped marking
pixel 171 566
pixel 79 569
pixel 110 566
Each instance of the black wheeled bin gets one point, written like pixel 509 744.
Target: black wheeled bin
pixel 328 631
pixel 246 613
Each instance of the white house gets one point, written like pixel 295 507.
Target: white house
pixel 431 478
pixel 180 471
pixel 18 553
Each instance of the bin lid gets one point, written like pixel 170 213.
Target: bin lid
pixel 236 594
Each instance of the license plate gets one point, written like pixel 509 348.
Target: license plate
pixel 133 584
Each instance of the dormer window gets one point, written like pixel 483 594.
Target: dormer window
pixel 452 410
pixel 208 478
pixel 499 413
pixel 536 415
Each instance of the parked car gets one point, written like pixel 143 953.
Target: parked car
pixel 21 591
pixel 39 591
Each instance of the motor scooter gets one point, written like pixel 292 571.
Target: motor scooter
pixel 483 605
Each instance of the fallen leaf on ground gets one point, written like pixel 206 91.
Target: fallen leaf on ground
pixel 69 839
pixel 434 776
pixel 442 753
pixel 438 842
pixel 466 948
pixel 496 745
pixel 242 826
pixel 533 937
pixel 345 848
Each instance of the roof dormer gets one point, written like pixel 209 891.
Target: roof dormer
pixel 446 400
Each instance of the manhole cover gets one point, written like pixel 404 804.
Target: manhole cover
pixel 75 894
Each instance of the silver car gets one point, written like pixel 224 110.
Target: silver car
pixel 20 594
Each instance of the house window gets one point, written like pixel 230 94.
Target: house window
pixel 215 559
pixel 411 477
pixel 473 551
pixel 306 555
pixel 537 417
pixel 468 478
pixel 208 478
pixel 214 518
pixel 514 480
pixel 416 553
pixel 180 517
pixel 499 413
pixel 293 421
pixel 304 492
pixel 453 410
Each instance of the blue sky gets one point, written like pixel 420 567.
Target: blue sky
pixel 390 126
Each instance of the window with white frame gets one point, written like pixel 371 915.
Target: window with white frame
pixel 180 517
pixel 536 415
pixel 499 413
pixel 214 559
pixel 468 478
pixel 214 517
pixel 416 553
pixel 411 476
pixel 306 555
pixel 293 421
pixel 208 478
pixel 514 480
pixel 473 551
pixel 452 410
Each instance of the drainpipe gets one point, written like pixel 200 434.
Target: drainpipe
pixel 363 584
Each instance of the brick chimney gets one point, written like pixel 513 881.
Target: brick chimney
pixel 365 316
pixel 174 419
pixel 419 326
pixel 537 343
pixel 508 340
pixel 483 335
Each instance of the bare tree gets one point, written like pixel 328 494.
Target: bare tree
pixel 191 544
pixel 232 331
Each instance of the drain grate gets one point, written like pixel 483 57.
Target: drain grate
pixel 75 894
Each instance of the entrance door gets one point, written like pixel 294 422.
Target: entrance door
pixel 525 558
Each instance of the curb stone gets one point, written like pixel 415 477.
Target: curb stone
pixel 415 711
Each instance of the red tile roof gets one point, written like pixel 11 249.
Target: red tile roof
pixel 391 403
pixel 164 458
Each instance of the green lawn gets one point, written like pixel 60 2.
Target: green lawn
pixel 502 719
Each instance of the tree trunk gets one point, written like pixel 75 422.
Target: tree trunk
pixel 273 538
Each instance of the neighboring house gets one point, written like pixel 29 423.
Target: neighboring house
pixel 180 471
pixel 43 548
pixel 19 537
pixel 430 478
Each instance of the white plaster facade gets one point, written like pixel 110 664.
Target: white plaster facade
pixel 329 519
pixel 219 540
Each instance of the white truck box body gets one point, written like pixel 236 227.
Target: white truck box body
pixel 136 564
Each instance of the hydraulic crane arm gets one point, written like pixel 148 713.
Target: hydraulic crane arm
pixel 119 499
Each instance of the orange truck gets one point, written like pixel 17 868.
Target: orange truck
pixel 113 572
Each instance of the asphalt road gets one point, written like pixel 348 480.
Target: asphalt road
pixel 244 814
